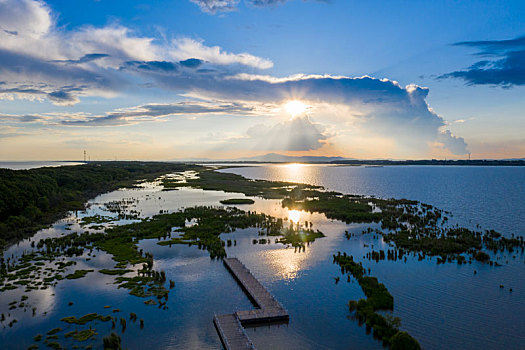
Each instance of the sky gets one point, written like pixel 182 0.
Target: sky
pixel 228 79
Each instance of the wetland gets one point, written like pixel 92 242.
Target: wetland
pixel 146 258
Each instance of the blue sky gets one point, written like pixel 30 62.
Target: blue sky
pixel 212 79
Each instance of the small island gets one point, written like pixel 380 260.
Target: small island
pixel 237 201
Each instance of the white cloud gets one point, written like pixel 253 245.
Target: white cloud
pixel 213 6
pixel 138 114
pixel 185 48
pixel 26 20
pixel 116 41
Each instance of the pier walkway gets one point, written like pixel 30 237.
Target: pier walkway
pixel 231 332
pixel 230 326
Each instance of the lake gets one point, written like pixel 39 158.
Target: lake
pixel 443 306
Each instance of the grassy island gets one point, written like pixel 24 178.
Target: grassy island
pixel 377 298
pixel 238 201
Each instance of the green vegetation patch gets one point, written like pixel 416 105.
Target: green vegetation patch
pixel 169 242
pixel 85 319
pixel 119 272
pixel 145 286
pixel 54 331
pixel 96 219
pixel 482 256
pixel 78 274
pixel 112 341
pixel 403 341
pixel 54 345
pixel 335 206
pixel 238 201
pixel 83 335
pixel 377 298
pixel 63 264
pixel 298 237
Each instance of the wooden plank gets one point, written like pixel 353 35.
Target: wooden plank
pixel 261 316
pixel 272 309
pixel 231 332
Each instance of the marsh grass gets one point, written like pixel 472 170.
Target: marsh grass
pixel 377 298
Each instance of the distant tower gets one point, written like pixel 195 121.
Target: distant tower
pixel 84 155
pixel 469 156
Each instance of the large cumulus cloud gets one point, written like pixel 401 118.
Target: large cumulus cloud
pixel 383 105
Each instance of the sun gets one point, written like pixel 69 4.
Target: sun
pixel 295 107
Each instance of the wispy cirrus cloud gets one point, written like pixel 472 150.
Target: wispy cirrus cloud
pixel 263 3
pixel 138 114
pixel 214 6
pixel 219 6
pixel 503 63
pixel 9 132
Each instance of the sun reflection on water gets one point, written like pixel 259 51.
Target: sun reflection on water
pixel 287 263
pixel 294 216
pixel 294 169
pixel 296 172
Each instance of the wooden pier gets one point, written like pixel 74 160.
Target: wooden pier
pixel 230 326
pixel 232 333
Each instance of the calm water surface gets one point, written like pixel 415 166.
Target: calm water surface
pixel 443 306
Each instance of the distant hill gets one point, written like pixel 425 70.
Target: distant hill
pixel 268 158
pixel 280 158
